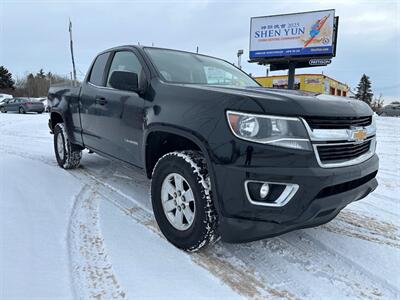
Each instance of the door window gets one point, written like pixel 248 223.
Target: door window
pixel 125 61
pixel 97 73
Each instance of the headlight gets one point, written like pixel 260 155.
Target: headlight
pixel 278 131
pixel 371 129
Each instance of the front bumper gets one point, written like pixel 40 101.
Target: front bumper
pixel 322 194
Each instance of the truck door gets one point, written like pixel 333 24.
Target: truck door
pixel 120 113
pixel 91 93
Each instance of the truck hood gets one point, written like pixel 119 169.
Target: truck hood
pixel 294 103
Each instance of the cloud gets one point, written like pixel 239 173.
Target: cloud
pixel 34 34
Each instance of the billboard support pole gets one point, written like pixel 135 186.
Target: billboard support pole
pixel 291 74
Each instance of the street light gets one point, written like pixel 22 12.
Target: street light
pixel 239 55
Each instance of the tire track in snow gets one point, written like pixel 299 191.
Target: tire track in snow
pixel 254 258
pixel 296 258
pixel 234 273
pixel 91 271
pixel 238 269
pixel 389 289
pixel 33 156
pixel 245 273
pixel 364 227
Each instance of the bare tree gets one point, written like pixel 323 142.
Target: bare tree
pixel 377 103
pixel 38 85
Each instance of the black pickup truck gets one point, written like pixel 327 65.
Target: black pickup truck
pixel 227 158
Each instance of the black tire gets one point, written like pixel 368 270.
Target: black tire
pixel 192 166
pixel 71 154
pixel 40 112
pixel 21 110
pixel 3 110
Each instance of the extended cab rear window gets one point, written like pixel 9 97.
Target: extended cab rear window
pixel 97 73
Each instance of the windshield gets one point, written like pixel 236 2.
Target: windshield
pixel 185 67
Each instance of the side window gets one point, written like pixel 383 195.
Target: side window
pixel 125 61
pixel 97 73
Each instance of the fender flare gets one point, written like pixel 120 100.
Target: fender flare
pixel 52 113
pixel 196 139
pixel 65 120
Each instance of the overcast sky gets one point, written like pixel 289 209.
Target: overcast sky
pixel 34 34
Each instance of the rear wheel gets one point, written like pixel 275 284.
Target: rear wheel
pixel 67 154
pixel 182 203
pixel 21 110
pixel 3 110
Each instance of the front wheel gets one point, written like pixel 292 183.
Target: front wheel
pixel 3 110
pixel 182 203
pixel 21 110
pixel 67 154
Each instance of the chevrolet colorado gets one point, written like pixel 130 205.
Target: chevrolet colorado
pixel 227 158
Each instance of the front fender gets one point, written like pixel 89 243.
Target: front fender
pixel 196 139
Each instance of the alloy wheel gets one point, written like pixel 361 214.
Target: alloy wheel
pixel 178 201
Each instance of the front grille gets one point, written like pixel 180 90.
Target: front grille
pixel 338 122
pixel 342 152
pixel 346 186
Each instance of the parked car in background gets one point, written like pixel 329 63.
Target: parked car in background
pixel 4 97
pixel 392 110
pixel 22 105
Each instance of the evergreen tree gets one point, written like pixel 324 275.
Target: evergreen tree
pixel 6 81
pixel 364 91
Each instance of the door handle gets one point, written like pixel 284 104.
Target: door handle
pixel 100 100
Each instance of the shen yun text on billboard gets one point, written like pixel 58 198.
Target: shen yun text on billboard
pixel 301 34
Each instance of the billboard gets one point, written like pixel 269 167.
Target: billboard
pixel 299 34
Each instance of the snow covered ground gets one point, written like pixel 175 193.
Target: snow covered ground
pixel 90 234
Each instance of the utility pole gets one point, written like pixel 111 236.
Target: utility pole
pixel 291 75
pixel 72 52
pixel 197 49
pixel 239 55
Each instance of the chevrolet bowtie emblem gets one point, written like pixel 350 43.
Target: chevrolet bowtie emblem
pixel 358 134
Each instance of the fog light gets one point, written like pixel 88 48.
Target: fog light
pixel 266 193
pixel 264 190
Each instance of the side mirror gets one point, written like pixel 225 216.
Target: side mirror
pixel 123 80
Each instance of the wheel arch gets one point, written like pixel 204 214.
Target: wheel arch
pixel 55 118
pixel 170 132
pixel 200 143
